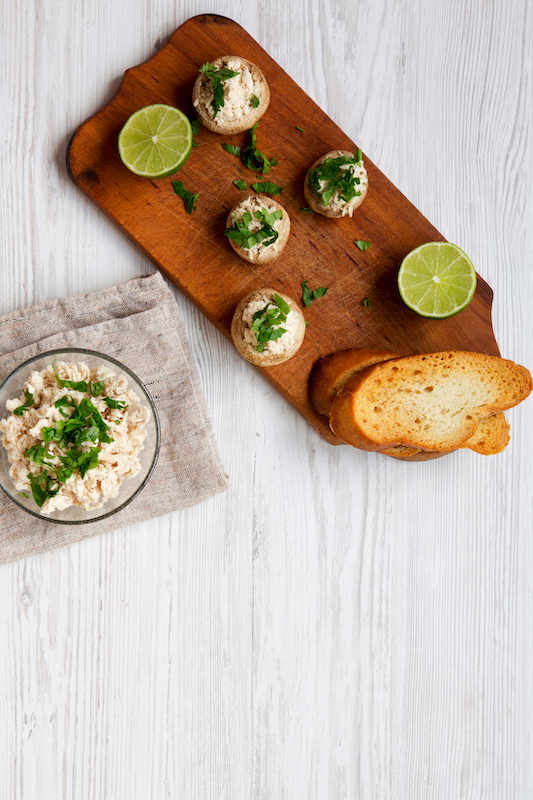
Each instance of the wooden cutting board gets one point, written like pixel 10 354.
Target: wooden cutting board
pixel 194 254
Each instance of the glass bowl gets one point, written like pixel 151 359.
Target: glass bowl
pixel 130 487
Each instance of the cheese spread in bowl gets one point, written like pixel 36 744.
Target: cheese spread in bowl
pixel 80 436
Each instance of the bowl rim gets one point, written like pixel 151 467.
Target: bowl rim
pixel 153 408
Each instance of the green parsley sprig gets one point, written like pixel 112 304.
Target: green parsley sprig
pixel 267 187
pixel 217 76
pixel 309 295
pixel 253 158
pixel 241 234
pixel 188 197
pixel 19 410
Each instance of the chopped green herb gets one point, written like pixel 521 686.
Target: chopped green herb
pixel 195 144
pixel 300 129
pixel 217 75
pixel 231 148
pixel 281 304
pixel 367 303
pixel 309 295
pixel 19 410
pixel 24 494
pixel 188 197
pixel 240 184
pixel 195 126
pixel 362 245
pixel 333 176
pixel 307 210
pixel 96 388
pixel 267 187
pixel 266 323
pixel 78 386
pixel 254 102
pixel 241 234
pixel 115 403
pixel 253 158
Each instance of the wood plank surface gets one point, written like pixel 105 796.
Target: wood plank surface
pixel 337 625
pixel 191 249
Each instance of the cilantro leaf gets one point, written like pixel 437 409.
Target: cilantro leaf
pixel 188 197
pixel 96 388
pixel 195 125
pixel 253 158
pixel 217 75
pixel 115 403
pixel 78 386
pixel 307 210
pixel 254 102
pixel 240 184
pixel 267 188
pixel 309 295
pixel 367 302
pixel 19 410
pixel 362 245
pixel 231 148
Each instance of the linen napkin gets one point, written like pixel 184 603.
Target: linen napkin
pixel 139 324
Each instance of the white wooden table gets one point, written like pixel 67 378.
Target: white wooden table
pixel 338 625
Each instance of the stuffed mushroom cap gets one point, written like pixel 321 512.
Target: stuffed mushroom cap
pixel 276 350
pixel 337 207
pixel 260 253
pixel 245 97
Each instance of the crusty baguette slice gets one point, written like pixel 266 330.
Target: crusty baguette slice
pixel 491 437
pixel 331 372
pixel 432 401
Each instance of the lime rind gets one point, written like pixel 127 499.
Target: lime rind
pixel 437 280
pixel 155 141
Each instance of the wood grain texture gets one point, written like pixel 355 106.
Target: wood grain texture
pixel 337 625
pixel 190 248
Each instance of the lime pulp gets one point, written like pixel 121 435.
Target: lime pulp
pixel 155 141
pixel 437 280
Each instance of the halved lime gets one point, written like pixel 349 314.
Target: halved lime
pixel 437 280
pixel 155 141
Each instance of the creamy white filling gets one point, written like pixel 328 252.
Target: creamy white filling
pixel 253 204
pixel 238 94
pixel 117 460
pixel 336 203
pixel 277 346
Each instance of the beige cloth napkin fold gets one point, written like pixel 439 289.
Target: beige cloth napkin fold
pixel 139 324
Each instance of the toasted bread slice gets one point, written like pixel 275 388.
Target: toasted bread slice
pixel 330 373
pixel 433 402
